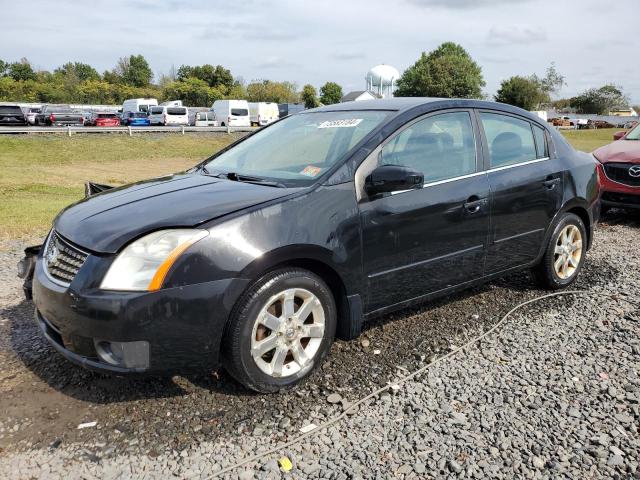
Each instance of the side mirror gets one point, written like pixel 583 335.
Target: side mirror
pixel 392 178
pixel 619 135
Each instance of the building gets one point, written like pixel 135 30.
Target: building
pixel 360 95
pixel 623 112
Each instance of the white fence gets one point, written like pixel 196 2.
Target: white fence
pixel 126 130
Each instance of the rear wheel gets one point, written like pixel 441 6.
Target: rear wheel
pixel 280 331
pixel 564 255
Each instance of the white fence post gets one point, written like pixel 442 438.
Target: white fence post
pixel 69 129
pixel 129 130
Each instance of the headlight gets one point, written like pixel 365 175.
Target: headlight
pixel 144 264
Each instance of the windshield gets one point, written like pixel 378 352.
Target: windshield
pixel 634 134
pixel 298 149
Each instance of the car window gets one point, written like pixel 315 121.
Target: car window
pixel 441 147
pixel 239 112
pixel 510 139
pixel 541 142
pixel 156 110
pixel 10 109
pixel 176 111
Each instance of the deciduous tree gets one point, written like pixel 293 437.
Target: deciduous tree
pixel 330 93
pixel 600 100
pixel 448 71
pixel 309 96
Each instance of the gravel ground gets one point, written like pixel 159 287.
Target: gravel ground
pixel 554 394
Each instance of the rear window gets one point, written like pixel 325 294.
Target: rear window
pixel 239 112
pixel 54 109
pixel 156 110
pixel 107 115
pixel 6 109
pixel 140 115
pixel 176 111
pixel 510 139
pixel 541 142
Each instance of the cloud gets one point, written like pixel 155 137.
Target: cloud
pixel 496 60
pixel 348 56
pixel 258 33
pixel 515 34
pixel 464 4
pixel 274 62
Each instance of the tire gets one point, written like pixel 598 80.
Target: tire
pixel 568 253
pixel 279 367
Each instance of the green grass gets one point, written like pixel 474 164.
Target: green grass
pixel 41 174
pixel 589 140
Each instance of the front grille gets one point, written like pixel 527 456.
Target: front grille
pixel 619 172
pixel 61 259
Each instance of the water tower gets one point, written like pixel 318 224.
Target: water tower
pixel 382 79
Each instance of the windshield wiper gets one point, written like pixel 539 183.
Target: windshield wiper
pixel 235 177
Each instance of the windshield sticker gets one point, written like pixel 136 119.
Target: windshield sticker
pixel 310 171
pixel 346 123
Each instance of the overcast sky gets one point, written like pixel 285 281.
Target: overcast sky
pixel 593 42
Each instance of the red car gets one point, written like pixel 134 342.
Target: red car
pixel 104 119
pixel 620 175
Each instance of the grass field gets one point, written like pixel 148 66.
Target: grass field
pixel 41 174
pixel 589 140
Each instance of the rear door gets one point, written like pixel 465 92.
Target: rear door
pixel 421 241
pixel 526 188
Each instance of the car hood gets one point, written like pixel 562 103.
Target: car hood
pixel 624 151
pixel 107 221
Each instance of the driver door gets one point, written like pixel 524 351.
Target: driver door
pixel 423 241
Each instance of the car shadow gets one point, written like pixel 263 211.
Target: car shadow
pixel 35 353
pixel 618 216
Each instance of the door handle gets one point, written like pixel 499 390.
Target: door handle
pixel 550 183
pixel 474 204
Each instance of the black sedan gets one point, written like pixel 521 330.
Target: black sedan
pixel 260 256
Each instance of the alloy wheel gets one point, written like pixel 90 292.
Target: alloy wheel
pixel 568 252
pixel 288 332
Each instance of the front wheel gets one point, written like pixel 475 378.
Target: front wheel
pixel 280 331
pixel 564 255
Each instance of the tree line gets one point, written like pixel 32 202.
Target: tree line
pixel 132 77
pixel 448 72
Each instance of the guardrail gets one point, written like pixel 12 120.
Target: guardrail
pixel 69 130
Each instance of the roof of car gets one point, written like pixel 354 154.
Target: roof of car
pixel 401 104
pixel 396 103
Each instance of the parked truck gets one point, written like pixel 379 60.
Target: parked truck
pixel 263 113
pixel 59 115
